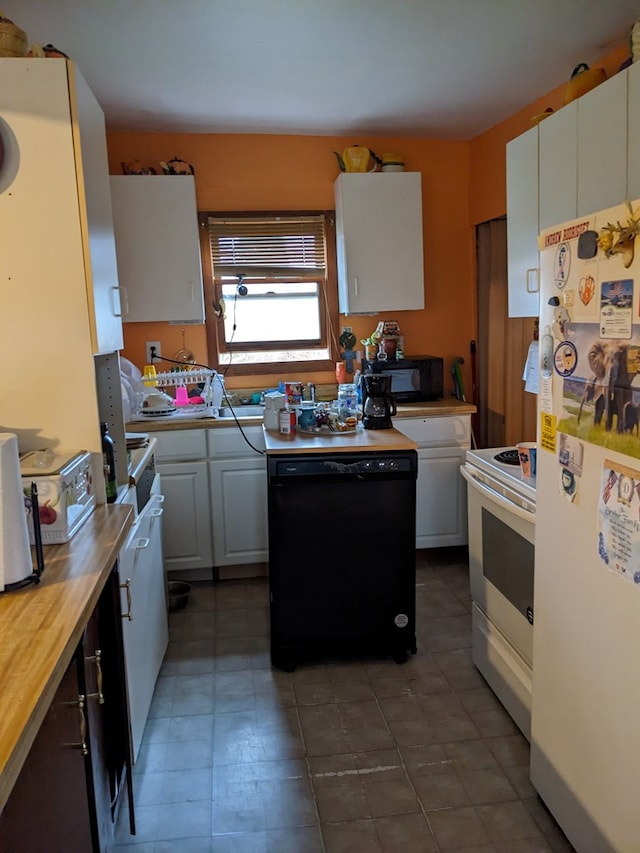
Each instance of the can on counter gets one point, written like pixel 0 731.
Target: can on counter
pixel 287 422
pixel 293 393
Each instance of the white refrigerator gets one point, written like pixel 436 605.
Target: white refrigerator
pixel 585 729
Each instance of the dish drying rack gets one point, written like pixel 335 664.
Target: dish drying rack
pixel 211 394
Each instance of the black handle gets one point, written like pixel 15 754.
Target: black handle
pixel 579 69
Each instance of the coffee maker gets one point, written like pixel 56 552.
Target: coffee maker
pixel 378 406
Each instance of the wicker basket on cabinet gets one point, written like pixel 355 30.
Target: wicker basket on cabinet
pixel 13 40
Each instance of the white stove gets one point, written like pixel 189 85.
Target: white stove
pixel 492 471
pixel 501 516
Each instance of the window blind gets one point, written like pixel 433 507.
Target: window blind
pixel 283 246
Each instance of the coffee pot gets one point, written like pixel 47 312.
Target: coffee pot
pixel 378 406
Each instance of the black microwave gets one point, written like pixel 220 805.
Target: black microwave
pixel 413 380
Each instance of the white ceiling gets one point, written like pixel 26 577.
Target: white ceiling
pixel 446 69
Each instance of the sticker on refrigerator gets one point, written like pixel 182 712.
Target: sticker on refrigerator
pixel 600 399
pixel 568 484
pixel 548 432
pixel 562 265
pixel 616 309
pixel 565 358
pixel 570 453
pixel 619 520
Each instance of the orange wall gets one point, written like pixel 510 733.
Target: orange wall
pixel 261 172
pixel 463 184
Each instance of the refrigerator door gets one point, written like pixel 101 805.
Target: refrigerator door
pixel 585 741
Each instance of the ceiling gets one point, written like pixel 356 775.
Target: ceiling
pixel 447 69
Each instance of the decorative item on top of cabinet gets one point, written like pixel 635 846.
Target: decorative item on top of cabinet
pixel 156 230
pixel 379 242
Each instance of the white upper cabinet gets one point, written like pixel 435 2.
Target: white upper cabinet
pixel 602 146
pixel 155 223
pixel 633 142
pixel 522 224
pixel 379 242
pixel 583 158
pixel 557 146
pixel 57 256
pixel 56 203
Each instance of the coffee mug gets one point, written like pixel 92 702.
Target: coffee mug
pixel 527 453
pixel 307 418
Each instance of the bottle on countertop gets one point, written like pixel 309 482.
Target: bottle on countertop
pixel 109 463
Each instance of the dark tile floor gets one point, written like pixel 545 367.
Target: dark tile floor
pixel 356 756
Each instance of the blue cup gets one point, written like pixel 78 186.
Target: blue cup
pixel 307 418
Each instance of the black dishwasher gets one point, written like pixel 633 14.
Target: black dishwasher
pixel 342 560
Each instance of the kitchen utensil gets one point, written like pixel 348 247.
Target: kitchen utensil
pixel 185 354
pixel 378 406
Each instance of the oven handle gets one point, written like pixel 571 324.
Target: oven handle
pixel 497 498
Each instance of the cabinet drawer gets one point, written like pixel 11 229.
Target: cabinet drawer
pixel 181 444
pixel 436 431
pixel 229 441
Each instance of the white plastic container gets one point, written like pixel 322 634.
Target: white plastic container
pixel 65 492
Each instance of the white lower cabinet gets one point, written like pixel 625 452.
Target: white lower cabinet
pixel 181 461
pixel 144 608
pixel 187 532
pixel 238 487
pixel 441 513
pixel 239 492
pixel 441 502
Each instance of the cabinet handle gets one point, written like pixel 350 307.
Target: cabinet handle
pixel 124 301
pixel 82 745
pixel 141 544
pixel 127 585
pixel 535 289
pixel 97 658
pixel 355 285
pixel 156 513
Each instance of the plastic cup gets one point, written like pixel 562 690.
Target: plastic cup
pixel 182 396
pixel 527 454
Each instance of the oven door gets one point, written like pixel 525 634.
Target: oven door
pixel 501 558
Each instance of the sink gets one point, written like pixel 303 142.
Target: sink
pixel 241 412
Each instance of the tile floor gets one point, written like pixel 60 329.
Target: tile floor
pixel 357 756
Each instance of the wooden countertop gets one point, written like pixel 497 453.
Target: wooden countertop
pixel 437 408
pixel 373 440
pixel 40 627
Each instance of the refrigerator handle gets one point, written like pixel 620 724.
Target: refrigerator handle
pixel 536 280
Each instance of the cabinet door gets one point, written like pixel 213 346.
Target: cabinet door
pixel 103 293
pixel 522 224
pixel 633 131
pixel 157 240
pixel 50 800
pixel 379 242
pixel 441 511
pixel 186 535
pixel 239 511
pixel 602 146
pixel 558 177
pixel 146 632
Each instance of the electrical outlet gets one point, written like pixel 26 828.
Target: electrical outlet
pixel 152 345
pixel 347 329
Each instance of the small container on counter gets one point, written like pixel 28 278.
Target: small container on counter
pixel 287 422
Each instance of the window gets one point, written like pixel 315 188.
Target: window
pixel 271 292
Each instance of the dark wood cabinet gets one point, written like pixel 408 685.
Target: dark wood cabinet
pixel 70 787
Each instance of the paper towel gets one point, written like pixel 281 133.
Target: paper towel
pixel 15 554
